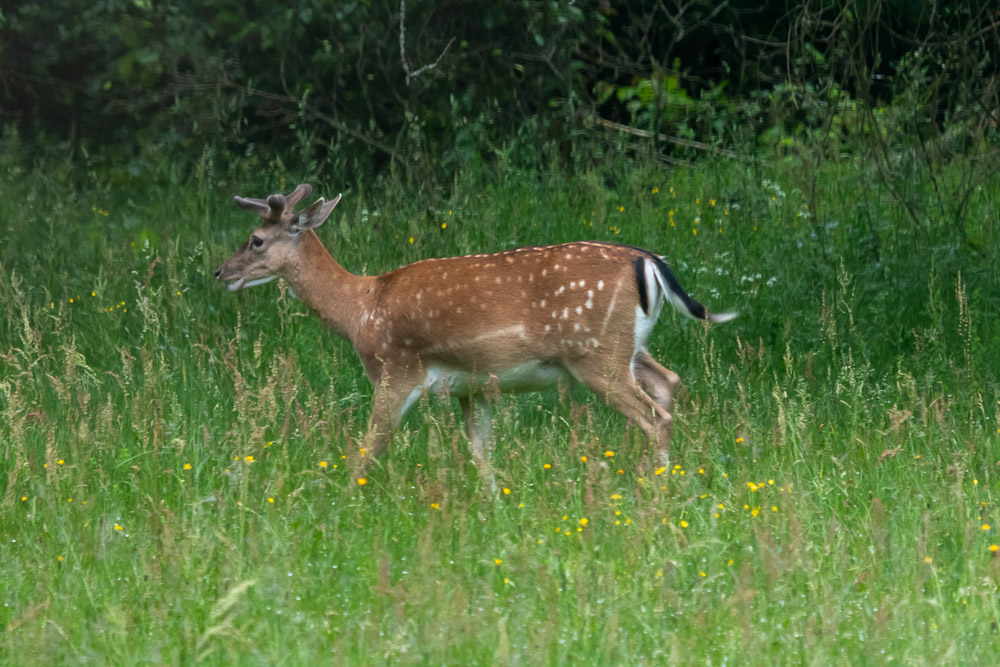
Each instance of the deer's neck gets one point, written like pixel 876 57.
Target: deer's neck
pixel 336 295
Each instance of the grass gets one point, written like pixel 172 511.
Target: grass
pixel 173 487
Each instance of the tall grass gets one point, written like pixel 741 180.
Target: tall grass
pixel 173 486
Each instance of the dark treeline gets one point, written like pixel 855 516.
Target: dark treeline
pixel 426 88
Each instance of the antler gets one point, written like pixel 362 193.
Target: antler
pixel 275 206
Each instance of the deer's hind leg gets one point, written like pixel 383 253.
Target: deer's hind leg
pixel 659 382
pixel 619 389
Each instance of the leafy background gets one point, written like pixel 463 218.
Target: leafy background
pixel 171 473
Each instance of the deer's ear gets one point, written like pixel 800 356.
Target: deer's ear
pixel 314 216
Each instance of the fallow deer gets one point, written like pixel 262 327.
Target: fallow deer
pixel 518 320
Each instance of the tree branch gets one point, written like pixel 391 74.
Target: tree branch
pixel 402 48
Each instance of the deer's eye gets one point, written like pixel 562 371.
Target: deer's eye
pixel 256 241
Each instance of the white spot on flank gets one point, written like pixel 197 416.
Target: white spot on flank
pixel 548 328
pixel 562 288
pixel 576 326
pixel 543 303
pixel 582 283
pixel 565 313
pixel 589 304
pixel 579 310
pixel 555 268
pixel 611 309
pixel 600 285
pixel 572 284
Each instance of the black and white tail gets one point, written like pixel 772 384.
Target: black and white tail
pixel 653 275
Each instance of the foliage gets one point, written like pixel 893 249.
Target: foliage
pixel 172 483
pixel 328 86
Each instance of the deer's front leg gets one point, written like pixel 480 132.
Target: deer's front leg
pixel 394 395
pixel 476 410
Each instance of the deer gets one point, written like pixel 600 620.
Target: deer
pixel 470 327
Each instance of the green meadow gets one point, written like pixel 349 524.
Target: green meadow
pixel 172 456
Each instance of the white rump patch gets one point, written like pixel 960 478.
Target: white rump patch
pixel 644 322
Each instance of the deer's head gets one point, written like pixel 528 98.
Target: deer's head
pixel 273 246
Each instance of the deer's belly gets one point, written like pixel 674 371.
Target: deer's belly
pixel 531 376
